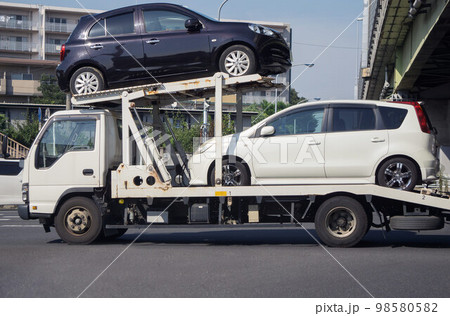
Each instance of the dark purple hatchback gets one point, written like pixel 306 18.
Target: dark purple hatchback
pixel 162 42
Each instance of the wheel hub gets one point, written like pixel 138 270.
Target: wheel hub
pixel 77 221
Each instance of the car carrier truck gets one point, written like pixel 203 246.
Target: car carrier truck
pixel 93 173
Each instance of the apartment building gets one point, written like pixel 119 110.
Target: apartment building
pixel 30 41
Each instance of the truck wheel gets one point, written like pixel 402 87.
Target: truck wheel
pixel 237 60
pixel 398 173
pixel 86 80
pixel 341 222
pixel 79 221
pixel 416 222
pixel 233 174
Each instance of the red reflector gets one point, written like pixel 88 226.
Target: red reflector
pixel 422 119
pixel 62 52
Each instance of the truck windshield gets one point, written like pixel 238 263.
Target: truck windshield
pixel 64 136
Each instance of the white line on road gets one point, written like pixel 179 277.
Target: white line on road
pixel 20 225
pixel 4 219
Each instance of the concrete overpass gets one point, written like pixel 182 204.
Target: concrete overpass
pixel 406 55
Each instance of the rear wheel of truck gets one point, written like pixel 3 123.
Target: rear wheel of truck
pixel 79 221
pixel 341 222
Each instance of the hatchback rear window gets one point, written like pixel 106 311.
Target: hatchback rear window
pixel 392 117
pixel 9 168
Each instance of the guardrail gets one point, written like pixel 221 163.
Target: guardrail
pixel 14 149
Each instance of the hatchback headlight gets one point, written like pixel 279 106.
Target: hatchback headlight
pixel 261 29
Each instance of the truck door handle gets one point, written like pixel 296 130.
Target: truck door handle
pixel 88 172
pixel 377 140
pixel 96 46
pixel 153 41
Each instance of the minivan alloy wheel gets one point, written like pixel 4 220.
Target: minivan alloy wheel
pixel 398 175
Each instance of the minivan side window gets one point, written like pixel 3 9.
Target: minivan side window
pixel 160 21
pixel 9 168
pixel 392 117
pixel 114 25
pixel 353 119
pixel 64 136
pixel 299 122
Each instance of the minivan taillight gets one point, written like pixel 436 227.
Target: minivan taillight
pixel 62 52
pixel 422 119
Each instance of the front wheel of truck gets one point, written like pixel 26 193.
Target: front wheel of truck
pixel 79 221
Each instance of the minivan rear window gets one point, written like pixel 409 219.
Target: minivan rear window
pixel 392 117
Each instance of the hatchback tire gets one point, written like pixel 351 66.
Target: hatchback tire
pixel 398 173
pixel 86 80
pixel 238 60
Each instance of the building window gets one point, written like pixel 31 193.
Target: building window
pixel 56 24
pixel 21 76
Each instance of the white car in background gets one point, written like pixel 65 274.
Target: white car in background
pixel 327 142
pixel 11 181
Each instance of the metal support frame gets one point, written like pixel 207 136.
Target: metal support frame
pixel 218 129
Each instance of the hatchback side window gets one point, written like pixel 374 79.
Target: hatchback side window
pixel 392 117
pixel 159 21
pixel 353 119
pixel 299 122
pixel 115 25
pixel 64 136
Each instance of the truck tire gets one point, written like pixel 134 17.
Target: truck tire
pixel 416 222
pixel 79 221
pixel 341 222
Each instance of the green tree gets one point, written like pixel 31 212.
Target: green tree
pixel 51 94
pixel 25 132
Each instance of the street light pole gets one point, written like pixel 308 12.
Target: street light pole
pixel 220 9
pixel 358 65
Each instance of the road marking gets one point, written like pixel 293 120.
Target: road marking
pixel 12 216
pixel 4 219
pixel 20 225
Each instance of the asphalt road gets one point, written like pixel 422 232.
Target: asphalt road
pixel 227 262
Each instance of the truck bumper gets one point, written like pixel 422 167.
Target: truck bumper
pixel 24 212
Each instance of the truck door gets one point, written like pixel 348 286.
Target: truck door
pixel 67 157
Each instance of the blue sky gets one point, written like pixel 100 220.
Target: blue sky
pixel 315 24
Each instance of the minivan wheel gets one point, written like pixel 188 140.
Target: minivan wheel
pixel 86 80
pixel 233 174
pixel 398 173
pixel 237 60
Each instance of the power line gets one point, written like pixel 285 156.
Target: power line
pixel 318 45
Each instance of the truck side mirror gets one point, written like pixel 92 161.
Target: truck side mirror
pixel 193 25
pixel 5 147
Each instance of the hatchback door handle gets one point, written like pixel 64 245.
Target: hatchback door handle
pixel 88 172
pixel 153 41
pixel 96 46
pixel 313 142
pixel 377 140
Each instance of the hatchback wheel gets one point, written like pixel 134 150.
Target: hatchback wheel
pixel 237 60
pixel 86 80
pixel 398 173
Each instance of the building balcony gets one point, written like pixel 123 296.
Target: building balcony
pixel 18 25
pixel 19 87
pixel 53 48
pixel 59 27
pixel 14 46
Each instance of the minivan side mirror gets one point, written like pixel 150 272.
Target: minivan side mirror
pixel 267 131
pixel 193 25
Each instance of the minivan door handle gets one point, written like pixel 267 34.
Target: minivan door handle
pixel 153 41
pixel 377 140
pixel 96 46
pixel 88 172
pixel 313 142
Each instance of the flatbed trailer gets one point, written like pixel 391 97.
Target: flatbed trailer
pixel 132 187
